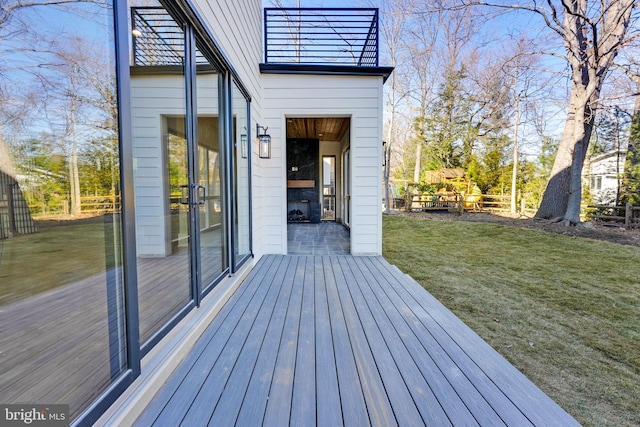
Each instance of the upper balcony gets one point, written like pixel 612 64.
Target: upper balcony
pixel 322 40
pixel 296 40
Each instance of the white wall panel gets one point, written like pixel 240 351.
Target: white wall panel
pixel 357 97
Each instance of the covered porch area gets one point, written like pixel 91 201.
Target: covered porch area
pixel 340 340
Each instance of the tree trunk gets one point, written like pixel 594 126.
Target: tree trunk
pixel 591 44
pixel 514 172
pixel 387 172
pixel 554 200
pixel 74 176
pixel 418 167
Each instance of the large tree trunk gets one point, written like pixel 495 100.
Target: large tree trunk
pixel 418 167
pixel 554 200
pixel 583 128
pixel 591 49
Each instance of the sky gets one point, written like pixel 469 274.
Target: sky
pixel 508 25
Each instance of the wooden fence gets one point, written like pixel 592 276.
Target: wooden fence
pixel 88 205
pixel 451 201
pixel 627 215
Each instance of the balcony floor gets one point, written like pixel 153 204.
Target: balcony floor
pixel 342 340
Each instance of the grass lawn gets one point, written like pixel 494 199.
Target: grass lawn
pixel 564 310
pixel 55 256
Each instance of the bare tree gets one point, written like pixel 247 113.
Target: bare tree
pixel 593 33
pixel 392 30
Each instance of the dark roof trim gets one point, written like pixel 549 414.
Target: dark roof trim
pixel 347 70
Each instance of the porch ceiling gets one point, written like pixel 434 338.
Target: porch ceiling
pixel 324 128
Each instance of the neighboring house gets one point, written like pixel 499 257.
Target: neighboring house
pixel 602 174
pixel 181 146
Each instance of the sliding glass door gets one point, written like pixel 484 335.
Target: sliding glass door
pixel 241 176
pixel 178 169
pixel 211 203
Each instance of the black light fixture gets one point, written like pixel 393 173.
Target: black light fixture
pixel 264 142
pixel 243 146
pixel 384 153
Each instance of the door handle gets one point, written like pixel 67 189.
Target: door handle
pixel 184 196
pixel 201 194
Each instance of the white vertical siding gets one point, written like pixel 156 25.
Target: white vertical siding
pixel 356 97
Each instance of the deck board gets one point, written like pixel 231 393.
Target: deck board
pixel 354 408
pixel 233 393
pixel 327 386
pixel 415 361
pixel 278 408
pixel 342 340
pixel 444 376
pixel 303 404
pixel 257 392
pixel 226 355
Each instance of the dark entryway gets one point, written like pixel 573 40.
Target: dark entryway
pixel 303 186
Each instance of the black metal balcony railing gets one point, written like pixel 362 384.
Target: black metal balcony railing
pixel 321 36
pixel 157 39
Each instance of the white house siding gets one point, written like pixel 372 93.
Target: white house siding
pixel 356 97
pixel 603 174
pixel 152 99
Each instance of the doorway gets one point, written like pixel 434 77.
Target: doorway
pixel 315 223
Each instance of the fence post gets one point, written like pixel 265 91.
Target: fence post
pixel 628 214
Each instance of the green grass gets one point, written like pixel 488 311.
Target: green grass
pixel 564 310
pixel 57 255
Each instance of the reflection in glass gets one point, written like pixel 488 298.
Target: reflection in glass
pixel 62 333
pixel 209 175
pixel 161 179
pixel 241 174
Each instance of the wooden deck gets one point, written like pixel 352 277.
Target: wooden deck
pixel 55 346
pixel 342 340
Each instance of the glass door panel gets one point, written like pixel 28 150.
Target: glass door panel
pixel 161 169
pixel 346 189
pixel 241 241
pixel 328 188
pixel 62 308
pixel 212 236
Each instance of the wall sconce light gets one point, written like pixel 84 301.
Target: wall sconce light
pixel 384 153
pixel 264 142
pixel 243 146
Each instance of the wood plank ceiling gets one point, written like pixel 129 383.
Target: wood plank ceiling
pixel 324 128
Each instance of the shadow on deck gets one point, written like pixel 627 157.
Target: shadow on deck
pixel 342 340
